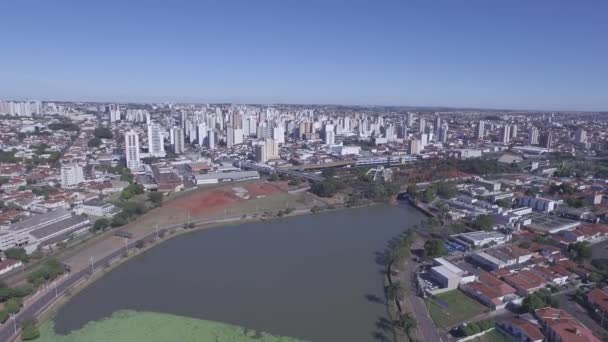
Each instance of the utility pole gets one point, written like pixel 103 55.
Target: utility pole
pixel 156 227
pixel 127 245
pixel 55 283
pixel 91 264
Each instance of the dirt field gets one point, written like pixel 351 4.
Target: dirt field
pixel 205 203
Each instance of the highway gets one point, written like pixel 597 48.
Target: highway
pixel 289 172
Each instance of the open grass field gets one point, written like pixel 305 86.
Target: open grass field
pixel 459 308
pixel 132 326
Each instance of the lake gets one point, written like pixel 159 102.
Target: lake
pixel 313 277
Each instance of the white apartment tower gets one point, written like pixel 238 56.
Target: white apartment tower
pixel 178 140
pixel 132 150
pixel 71 175
pixel 329 134
pixel 156 145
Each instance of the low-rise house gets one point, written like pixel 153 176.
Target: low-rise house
pixel 560 326
pixel 598 300
pixel 525 282
pixel 522 330
pixel 490 291
pixel 8 265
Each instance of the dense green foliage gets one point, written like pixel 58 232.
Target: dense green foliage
pixel 484 222
pixel 156 198
pixel 48 271
pixel 132 190
pixel 7 157
pixel 13 305
pixel 475 327
pixel 17 253
pixel 434 248
pixel 327 187
pixel 101 224
pixel 63 126
pixel 95 142
pixel 103 133
pixel 580 251
pixel 30 331
pixel 539 299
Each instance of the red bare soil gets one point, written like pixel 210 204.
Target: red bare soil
pixel 202 202
pixel 261 189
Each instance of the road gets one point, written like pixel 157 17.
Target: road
pixel 36 305
pixel 426 327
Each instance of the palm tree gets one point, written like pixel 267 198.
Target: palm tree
pixel 407 323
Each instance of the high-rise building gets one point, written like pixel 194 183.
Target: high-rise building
pixel 156 144
pixel 179 140
pixel 513 131
pixel 234 136
pixel 443 132
pixel 272 149
pixel 114 113
pixel 422 125
pixel 415 146
pixel 132 150
pixel 409 119
pixel 278 133
pixel 260 153
pixel 506 134
pixel 329 134
pixel 71 175
pixel 581 136
pixel 533 136
pixel 202 134
pixel 546 140
pixel 211 139
pixel 437 126
pixel 480 130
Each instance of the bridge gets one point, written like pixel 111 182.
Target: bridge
pixel 289 172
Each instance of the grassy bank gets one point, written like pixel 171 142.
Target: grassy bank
pixel 132 326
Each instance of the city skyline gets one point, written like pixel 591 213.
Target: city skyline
pixel 540 56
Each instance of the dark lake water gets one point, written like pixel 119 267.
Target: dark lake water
pixel 312 277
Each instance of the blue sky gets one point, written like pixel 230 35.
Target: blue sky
pixel 518 54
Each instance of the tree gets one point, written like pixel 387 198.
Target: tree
pixel 17 253
pixel 101 224
pixel 3 316
pixel 326 188
pixel 156 198
pixel 395 291
pixel 504 203
pixel 13 305
pixel 430 193
pixel 412 191
pixel 30 330
pixel 95 142
pixel 484 222
pixel 434 248
pixel 103 133
pixel 131 190
pixel 539 299
pixel 580 251
pixel 446 190
pixel 408 322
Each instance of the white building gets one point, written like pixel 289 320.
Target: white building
pixel 71 175
pixel 132 150
pixel 329 134
pixel 156 146
pixel 538 203
pixel 179 141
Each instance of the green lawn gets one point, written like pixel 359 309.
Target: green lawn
pixel 460 308
pixel 131 326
